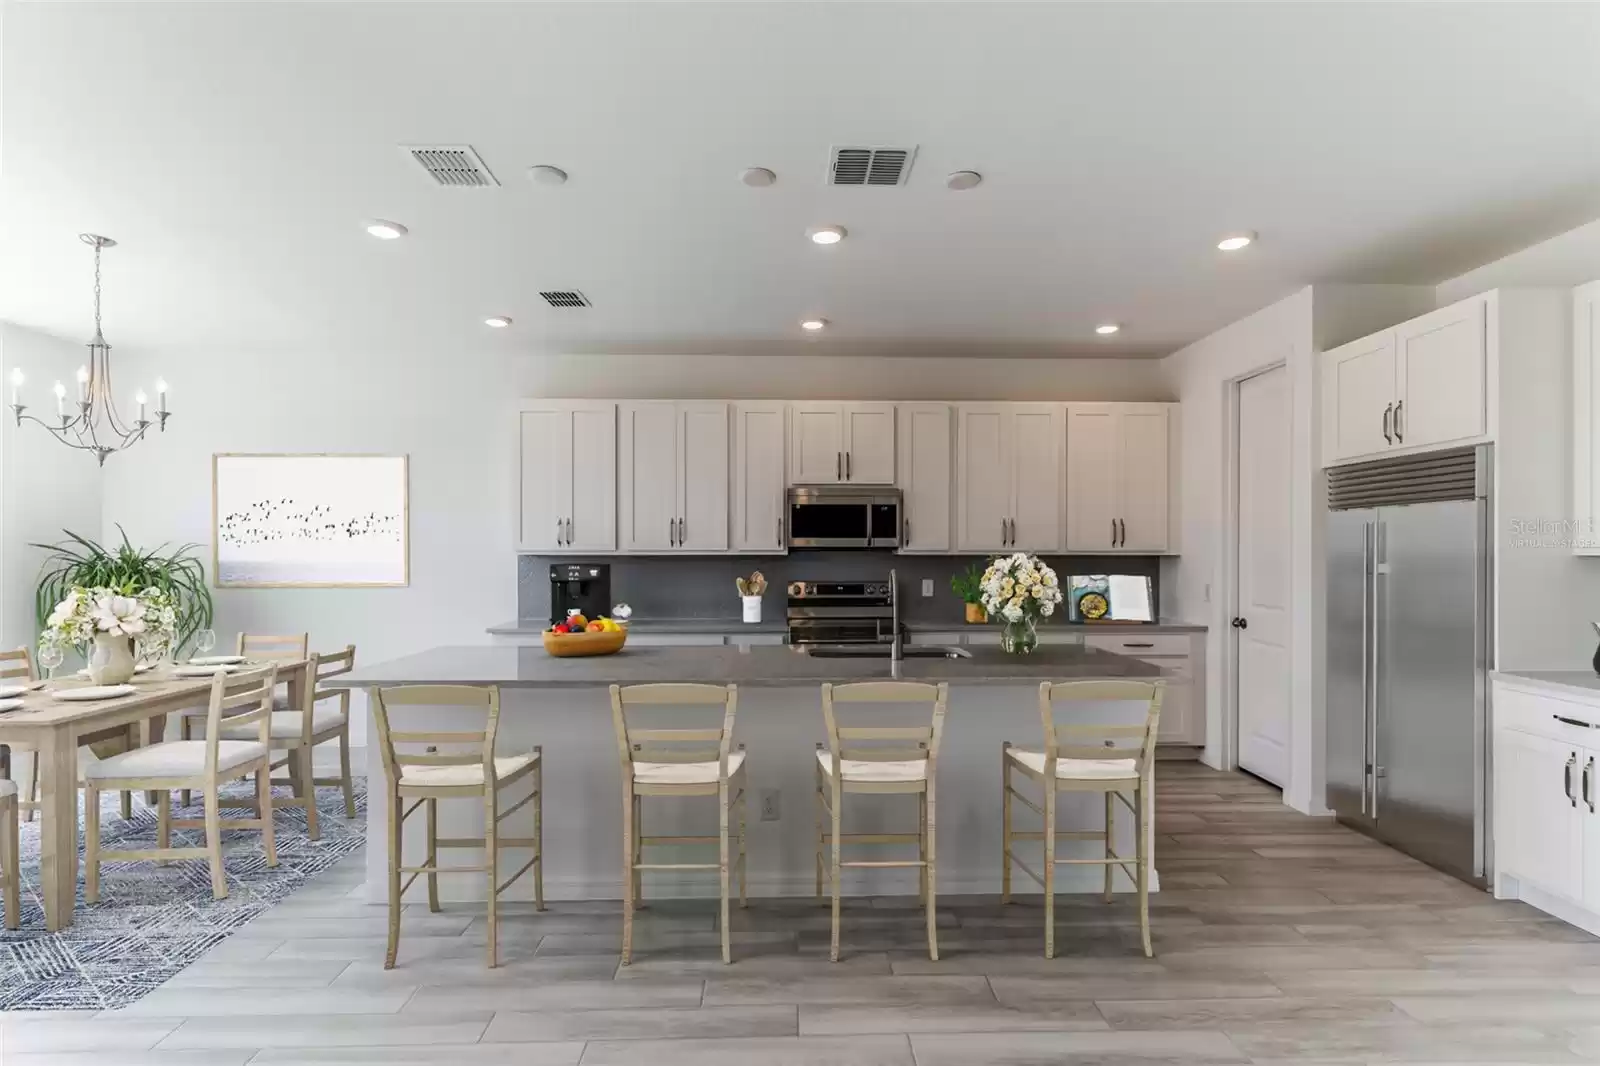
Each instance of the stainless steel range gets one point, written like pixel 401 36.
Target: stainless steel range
pixel 841 612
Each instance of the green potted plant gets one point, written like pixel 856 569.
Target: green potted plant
pixel 968 586
pixel 79 562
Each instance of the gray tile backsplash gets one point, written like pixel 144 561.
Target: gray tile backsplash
pixel 701 586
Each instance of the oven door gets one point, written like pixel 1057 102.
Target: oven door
pixel 838 631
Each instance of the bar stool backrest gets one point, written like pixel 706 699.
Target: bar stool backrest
pixel 1093 740
pixel 439 747
pixel 882 743
pixel 290 648
pixel 17 664
pixel 637 743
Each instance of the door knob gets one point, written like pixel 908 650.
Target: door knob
pixel 1241 623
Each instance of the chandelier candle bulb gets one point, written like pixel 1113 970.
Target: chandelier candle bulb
pixel 61 400
pixel 140 399
pixel 16 387
pixel 83 384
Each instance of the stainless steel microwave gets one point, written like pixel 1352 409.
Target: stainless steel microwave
pixel 844 516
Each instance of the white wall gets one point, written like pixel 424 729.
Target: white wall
pixel 1201 377
pixel 1566 260
pixel 46 487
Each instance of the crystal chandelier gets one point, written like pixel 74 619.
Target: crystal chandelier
pixel 97 427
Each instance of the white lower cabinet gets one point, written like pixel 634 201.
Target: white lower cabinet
pixel 1546 802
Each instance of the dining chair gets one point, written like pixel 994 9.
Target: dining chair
pixel 10 876
pixel 678 761
pixel 199 765
pixel 258 647
pixel 468 769
pixel 16 667
pixel 880 759
pixel 297 732
pixel 1083 756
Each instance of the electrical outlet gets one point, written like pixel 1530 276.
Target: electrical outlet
pixel 927 586
pixel 771 810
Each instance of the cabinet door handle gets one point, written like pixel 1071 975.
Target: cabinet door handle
pixel 1572 721
pixel 847 466
pixel 1399 409
pixel 780 531
pixel 560 525
pixel 838 466
pixel 1566 772
pixel 569 530
pixel 1013 523
pixel 1388 413
pixel 1005 533
pixel 1122 528
pixel 1113 532
pixel 683 531
pixel 672 532
pixel 1588 773
pixel 907 543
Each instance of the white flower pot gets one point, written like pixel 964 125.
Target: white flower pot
pixel 752 608
pixel 111 661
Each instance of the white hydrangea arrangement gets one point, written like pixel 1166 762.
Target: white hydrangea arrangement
pixel 1020 586
pixel 149 617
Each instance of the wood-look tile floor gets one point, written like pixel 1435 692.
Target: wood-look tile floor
pixel 1279 939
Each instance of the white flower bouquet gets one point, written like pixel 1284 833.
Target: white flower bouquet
pixel 1020 589
pixel 149 618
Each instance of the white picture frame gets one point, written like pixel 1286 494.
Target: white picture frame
pixel 310 521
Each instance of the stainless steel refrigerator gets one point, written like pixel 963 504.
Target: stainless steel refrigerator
pixel 1409 648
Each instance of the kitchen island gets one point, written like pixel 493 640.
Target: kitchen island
pixel 563 705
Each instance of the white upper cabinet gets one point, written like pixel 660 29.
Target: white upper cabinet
pixel 925 477
pixel 838 443
pixel 673 487
pixel 567 476
pixel 760 482
pixel 1423 384
pixel 1118 482
pixel 1010 462
pixel 1358 398
pixel 1586 418
pixel 1440 371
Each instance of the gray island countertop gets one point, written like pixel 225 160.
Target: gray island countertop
pixel 734 627
pixel 764 667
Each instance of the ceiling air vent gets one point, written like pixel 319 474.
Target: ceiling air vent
pixel 566 298
pixel 454 166
pixel 870 166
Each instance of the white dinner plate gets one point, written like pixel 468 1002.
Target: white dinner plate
pixel 204 669
pixel 11 692
pixel 94 692
pixel 10 705
pixel 139 668
pixel 215 660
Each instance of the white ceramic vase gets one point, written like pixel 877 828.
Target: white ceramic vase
pixel 111 661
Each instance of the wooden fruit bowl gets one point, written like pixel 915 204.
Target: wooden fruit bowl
pixel 564 645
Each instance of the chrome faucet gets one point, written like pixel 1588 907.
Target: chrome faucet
pixel 896 652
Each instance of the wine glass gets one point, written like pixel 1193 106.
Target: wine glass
pixel 205 640
pixel 50 657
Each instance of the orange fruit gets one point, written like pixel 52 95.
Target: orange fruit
pixel 594 627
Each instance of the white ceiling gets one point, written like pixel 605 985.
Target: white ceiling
pixel 234 149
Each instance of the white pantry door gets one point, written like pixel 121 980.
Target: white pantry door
pixel 1262 624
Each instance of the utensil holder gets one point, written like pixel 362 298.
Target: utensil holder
pixel 752 608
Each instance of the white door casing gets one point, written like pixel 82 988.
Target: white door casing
pixel 1262 598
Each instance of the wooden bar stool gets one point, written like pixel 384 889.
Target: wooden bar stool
pixel 677 762
pixel 1085 757
pixel 297 732
pixel 16 668
pixel 471 770
pixel 10 878
pixel 881 759
pixel 199 765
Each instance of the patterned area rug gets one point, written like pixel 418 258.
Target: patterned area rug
pixel 152 920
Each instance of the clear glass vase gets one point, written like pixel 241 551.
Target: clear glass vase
pixel 1020 637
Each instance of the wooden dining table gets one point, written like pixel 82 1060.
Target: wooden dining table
pixel 58 728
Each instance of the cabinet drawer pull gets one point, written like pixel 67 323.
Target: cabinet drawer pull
pixel 1131 644
pixel 1571 721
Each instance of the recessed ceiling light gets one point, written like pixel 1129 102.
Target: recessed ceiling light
pixel 826 234
pixel 814 324
pixel 1234 241
pixel 963 179
pixel 385 230
pixel 497 322
pixel 1107 328
pixel 547 175
pixel 758 177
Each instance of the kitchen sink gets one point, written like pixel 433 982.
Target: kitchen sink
pixel 885 651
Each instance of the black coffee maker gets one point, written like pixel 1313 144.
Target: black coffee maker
pixel 585 587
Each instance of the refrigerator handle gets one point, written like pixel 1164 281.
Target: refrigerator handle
pixel 1373 668
pixel 1366 663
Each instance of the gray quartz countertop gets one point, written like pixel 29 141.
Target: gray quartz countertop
pixel 733 626
pixel 532 667
pixel 1583 681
